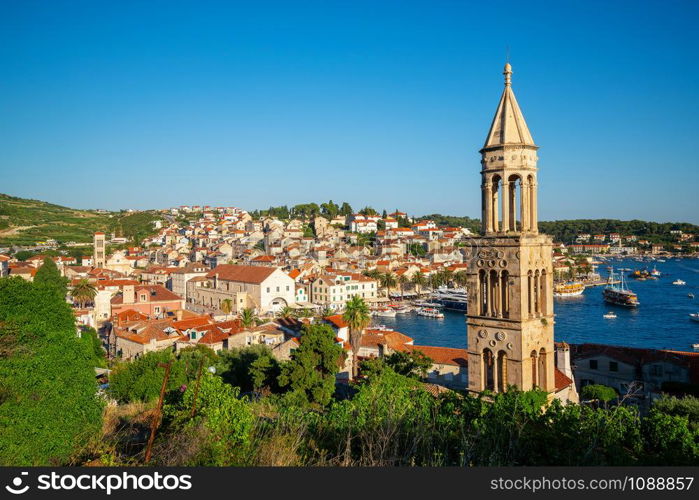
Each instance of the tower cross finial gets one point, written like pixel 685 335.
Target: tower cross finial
pixel 508 74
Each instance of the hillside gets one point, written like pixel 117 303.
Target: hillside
pixel 28 222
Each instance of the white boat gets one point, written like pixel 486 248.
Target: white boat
pixel 430 312
pixel 401 309
pixel 694 316
pixel 679 282
pixel 609 315
pixel 385 312
pixel 695 347
pixel 571 289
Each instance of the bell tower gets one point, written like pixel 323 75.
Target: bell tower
pixel 510 274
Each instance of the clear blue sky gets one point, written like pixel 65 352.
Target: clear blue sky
pixel 385 103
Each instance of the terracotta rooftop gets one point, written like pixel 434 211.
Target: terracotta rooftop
pixel 243 274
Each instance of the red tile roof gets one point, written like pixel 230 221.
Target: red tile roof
pixel 442 355
pixel 243 274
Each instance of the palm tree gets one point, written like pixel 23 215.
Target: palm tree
pixel 461 278
pixel 418 280
pixel 435 280
pixel 286 312
pixel 325 312
pixel 388 280
pixel 446 275
pixel 402 281
pixel 305 313
pixel 373 274
pixel 84 292
pixel 357 317
pixel 227 307
pixel 248 317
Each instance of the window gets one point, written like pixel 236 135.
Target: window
pixel 268 289
pixel 593 364
pixel 656 370
pixel 277 289
pixel 157 310
pixel 613 366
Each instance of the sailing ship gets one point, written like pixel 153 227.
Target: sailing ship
pixel 570 289
pixel 618 294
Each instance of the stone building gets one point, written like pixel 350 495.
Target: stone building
pixel 99 256
pixel 510 275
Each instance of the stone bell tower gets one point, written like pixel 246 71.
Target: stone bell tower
pixel 510 274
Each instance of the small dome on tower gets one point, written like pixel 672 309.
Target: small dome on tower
pixel 508 68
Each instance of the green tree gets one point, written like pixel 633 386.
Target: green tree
pixel 598 392
pixel 418 280
pixel 357 317
pixel 47 380
pixel 83 292
pixel 310 373
pixel 227 307
pixel 286 312
pixel 248 317
pixel 412 364
pixel 49 276
pixel 387 281
pixel 402 281
pixel 225 419
pixel 346 209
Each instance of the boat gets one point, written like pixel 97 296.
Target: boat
pixel 424 303
pixel 430 312
pixel 609 315
pixel 695 347
pixel 655 273
pixel 451 298
pixel 694 316
pixel 679 282
pixel 570 289
pixel 690 295
pixel 640 274
pixel 618 294
pixel 400 309
pixel 385 312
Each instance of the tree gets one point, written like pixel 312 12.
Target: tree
pixel 388 281
pixel 346 209
pixel 419 281
pixel 47 378
pixel 84 292
pixel 357 317
pixel 248 317
pixel 49 276
pixel 461 278
pixel 286 312
pixel 402 281
pixel 599 392
pixel 227 307
pixel 311 371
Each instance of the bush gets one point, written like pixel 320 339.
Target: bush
pixel 48 401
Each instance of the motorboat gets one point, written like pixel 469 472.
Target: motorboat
pixel 694 316
pixel 679 282
pixel 570 289
pixel 609 315
pixel 385 312
pixel 430 312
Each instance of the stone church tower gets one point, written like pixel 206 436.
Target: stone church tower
pixel 99 258
pixel 510 275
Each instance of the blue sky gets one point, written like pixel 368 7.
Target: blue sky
pixel 382 103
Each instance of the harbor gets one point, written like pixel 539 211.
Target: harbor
pixel 661 321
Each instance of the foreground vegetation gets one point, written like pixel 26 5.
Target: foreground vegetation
pixel 243 407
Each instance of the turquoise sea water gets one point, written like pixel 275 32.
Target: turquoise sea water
pixel 661 321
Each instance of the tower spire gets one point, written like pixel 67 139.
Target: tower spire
pixel 508 74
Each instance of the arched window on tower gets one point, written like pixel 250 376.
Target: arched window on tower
pixel 488 370
pixel 505 293
pixel 537 293
pixel 530 293
pixel 534 362
pixel 502 371
pixel 482 293
pixel 542 369
pixel 543 292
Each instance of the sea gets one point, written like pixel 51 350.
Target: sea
pixel 661 321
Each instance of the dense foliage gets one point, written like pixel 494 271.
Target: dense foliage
pixel 48 402
pixel 566 230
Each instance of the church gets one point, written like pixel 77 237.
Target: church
pixel 510 318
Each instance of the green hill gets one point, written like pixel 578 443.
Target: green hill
pixel 28 222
